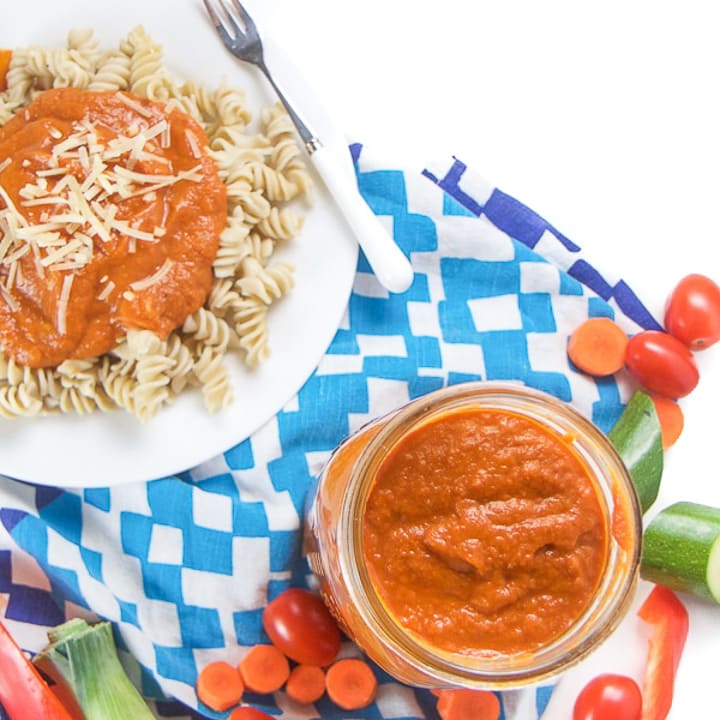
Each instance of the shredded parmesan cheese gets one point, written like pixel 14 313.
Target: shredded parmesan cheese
pixel 50 172
pixel 77 190
pixel 63 303
pixel 11 207
pixel 10 280
pixel 193 143
pixel 61 252
pixel 133 105
pixel 12 259
pixel 150 280
pixel 106 291
pixel 49 200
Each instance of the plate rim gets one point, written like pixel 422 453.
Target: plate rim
pixel 101 471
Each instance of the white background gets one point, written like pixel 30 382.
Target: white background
pixel 602 117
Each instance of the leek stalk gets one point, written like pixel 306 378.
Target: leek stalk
pixel 83 658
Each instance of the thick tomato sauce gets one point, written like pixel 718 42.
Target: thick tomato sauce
pixel 185 217
pixel 483 532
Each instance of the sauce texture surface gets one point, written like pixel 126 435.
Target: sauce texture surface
pixel 110 214
pixel 483 532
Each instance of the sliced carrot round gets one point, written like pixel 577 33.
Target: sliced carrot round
pixel 351 683
pixel 219 686
pixel 671 418
pixel 264 669
pixel 597 346
pixel 466 704
pixel 306 684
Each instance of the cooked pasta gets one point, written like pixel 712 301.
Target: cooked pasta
pixel 19 400
pixel 263 172
pixel 207 329
pixel 283 223
pixel 249 319
pixel 267 283
pixel 112 72
pixel 148 77
pixel 214 378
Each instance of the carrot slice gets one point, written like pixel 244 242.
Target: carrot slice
pixel 671 418
pixel 464 704
pixel 249 713
pixel 306 684
pixel 597 346
pixel 219 686
pixel 264 669
pixel 5 58
pixel 351 683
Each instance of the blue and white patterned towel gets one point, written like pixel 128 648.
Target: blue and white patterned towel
pixel 183 566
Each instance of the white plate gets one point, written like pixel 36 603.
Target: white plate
pixel 109 449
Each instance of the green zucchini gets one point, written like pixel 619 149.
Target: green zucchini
pixel 637 438
pixel 681 550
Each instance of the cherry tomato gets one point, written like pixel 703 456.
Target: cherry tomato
pixel 248 713
pixel 661 363
pixel 299 623
pixel 692 314
pixel 609 697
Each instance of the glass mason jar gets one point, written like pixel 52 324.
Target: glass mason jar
pixel 335 550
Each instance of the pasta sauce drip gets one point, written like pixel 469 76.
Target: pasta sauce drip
pixel 483 532
pixel 110 215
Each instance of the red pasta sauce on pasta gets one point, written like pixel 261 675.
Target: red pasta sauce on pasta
pixel 483 532
pixel 111 210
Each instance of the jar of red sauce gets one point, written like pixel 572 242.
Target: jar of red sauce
pixel 486 535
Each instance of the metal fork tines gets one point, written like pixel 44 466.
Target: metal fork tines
pixel 240 36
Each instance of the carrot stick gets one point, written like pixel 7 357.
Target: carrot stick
pixel 351 683
pixel 249 713
pixel 219 685
pixel 671 418
pixel 465 704
pixel 264 669
pixel 597 346
pixel 5 58
pixel 306 684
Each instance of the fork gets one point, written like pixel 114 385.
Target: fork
pixel 393 270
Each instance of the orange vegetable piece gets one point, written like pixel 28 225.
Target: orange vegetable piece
pixel 465 704
pixel 351 683
pixel 5 58
pixel 306 684
pixel 597 346
pixel 671 418
pixel 249 713
pixel 264 669
pixel 219 686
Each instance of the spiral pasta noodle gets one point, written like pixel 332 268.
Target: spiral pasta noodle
pixel 148 77
pixel 262 170
pixel 250 322
pixel 112 72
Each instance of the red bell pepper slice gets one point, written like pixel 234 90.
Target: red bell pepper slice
pixel 669 619
pixel 23 692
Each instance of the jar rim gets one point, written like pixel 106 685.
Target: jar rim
pixel 611 599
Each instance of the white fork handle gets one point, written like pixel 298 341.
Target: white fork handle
pixel 388 262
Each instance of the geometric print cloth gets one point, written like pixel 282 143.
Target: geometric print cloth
pixel 183 566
